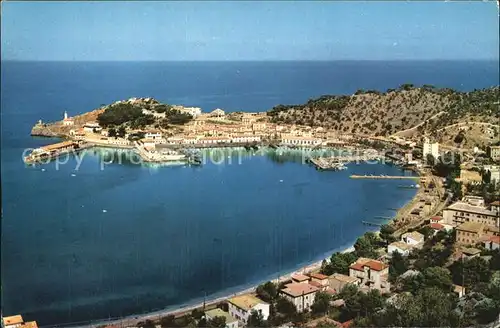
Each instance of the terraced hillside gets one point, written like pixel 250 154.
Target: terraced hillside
pixel 408 110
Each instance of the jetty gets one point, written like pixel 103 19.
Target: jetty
pixel 384 177
pixel 324 164
pixel 337 163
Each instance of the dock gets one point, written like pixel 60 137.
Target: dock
pixel 337 163
pixel 384 177
pixel 324 164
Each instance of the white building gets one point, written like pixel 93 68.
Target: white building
pixel 430 148
pixel 193 111
pixel 300 294
pixel 412 238
pixel 67 121
pixel 244 138
pixel 154 136
pixel 400 247
pixel 300 141
pixel 214 140
pixel 241 307
pixel 231 322
pixel 91 127
pixel 218 114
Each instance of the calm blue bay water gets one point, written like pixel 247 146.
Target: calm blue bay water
pixel 171 234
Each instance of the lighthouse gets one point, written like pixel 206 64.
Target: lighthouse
pixel 67 120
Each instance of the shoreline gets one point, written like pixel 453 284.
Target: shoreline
pixel 187 307
pixel 214 298
pixel 181 309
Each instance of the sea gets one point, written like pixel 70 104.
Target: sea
pixel 106 237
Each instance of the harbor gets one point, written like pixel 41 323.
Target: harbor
pixel 48 153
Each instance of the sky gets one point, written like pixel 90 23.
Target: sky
pixel 224 30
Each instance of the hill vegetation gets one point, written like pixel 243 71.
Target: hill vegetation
pixel 409 110
pixel 141 114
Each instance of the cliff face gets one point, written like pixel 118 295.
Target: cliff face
pixel 57 129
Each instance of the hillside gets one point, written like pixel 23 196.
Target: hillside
pixel 408 111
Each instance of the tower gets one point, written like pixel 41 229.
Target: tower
pixel 65 115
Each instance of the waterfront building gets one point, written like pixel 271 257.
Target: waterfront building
pixel 231 322
pixel 241 307
pixel 77 134
pixel 300 294
pixel 17 321
pixel 68 121
pixel 175 140
pixel 300 141
pixel 461 212
pixel 245 138
pixel 337 281
pixel 154 136
pixel 118 141
pixel 372 273
pixel 214 140
pixel 430 148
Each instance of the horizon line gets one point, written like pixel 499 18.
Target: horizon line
pixel 250 60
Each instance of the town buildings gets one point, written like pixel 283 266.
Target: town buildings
pixel 241 307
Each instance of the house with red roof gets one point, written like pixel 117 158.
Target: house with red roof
pixel 372 273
